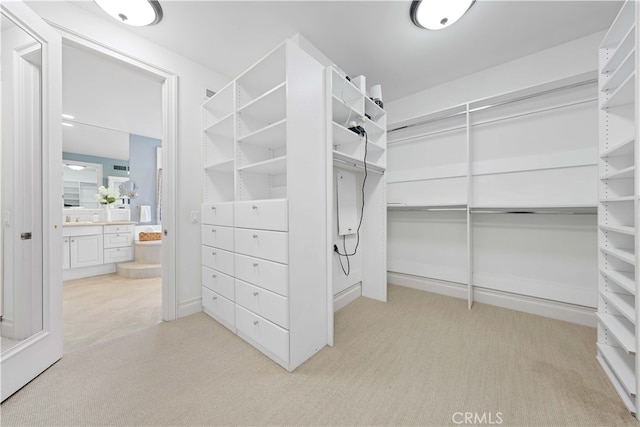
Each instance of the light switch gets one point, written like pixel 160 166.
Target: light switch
pixel 194 216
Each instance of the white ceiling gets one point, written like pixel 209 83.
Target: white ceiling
pixel 109 100
pixel 374 38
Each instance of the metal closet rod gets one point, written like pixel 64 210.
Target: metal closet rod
pixel 484 107
pixel 489 121
pixel 352 164
pixel 530 212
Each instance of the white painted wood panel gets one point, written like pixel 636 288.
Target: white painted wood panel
pixel 218 282
pixel 264 303
pixel 270 245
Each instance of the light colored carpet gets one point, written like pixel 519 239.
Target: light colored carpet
pixel 100 308
pixel 416 360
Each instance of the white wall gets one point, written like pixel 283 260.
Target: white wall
pixel 562 61
pixel 193 78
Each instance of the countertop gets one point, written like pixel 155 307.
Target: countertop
pixel 89 223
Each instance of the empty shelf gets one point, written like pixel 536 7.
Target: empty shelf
pixel 625 173
pixel 623 95
pixel 623 254
pixel 271 136
pixel 622 148
pixel 624 279
pixel 275 166
pixel 355 163
pixel 221 166
pixel 625 304
pixel 622 229
pixel 622 365
pixel 622 333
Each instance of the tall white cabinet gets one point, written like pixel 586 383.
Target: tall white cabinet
pixel 618 207
pixel 266 264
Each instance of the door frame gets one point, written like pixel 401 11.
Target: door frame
pixel 169 81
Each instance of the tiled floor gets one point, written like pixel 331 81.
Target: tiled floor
pixel 100 308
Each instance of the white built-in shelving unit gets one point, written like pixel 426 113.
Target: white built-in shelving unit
pixel 486 195
pixel 618 206
pixel 267 203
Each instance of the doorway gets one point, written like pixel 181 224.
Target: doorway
pixel 115 115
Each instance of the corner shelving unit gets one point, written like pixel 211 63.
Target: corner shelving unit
pixel 618 208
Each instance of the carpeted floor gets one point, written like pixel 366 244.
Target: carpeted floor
pixel 420 359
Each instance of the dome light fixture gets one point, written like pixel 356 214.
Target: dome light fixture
pixel 137 13
pixel 75 167
pixel 438 14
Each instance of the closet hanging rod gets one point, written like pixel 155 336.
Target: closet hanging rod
pixel 514 116
pixel 357 166
pixel 498 104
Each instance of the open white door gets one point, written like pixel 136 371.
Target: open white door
pixel 31 170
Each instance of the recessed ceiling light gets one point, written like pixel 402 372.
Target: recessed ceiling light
pixel 133 12
pixel 69 125
pixel 438 14
pixel 68 116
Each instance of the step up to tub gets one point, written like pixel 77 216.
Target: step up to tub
pixel 138 270
pixel 148 252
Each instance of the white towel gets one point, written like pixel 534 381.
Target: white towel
pixel 145 213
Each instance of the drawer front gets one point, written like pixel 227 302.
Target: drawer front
pixel 269 275
pixel 118 255
pixel 120 228
pixel 118 240
pixel 217 236
pixel 218 307
pixel 267 304
pixel 218 282
pixel 263 215
pixel 270 336
pixel 218 259
pixel 217 214
pixel 271 245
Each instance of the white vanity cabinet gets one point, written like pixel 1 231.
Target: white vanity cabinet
pixel 118 243
pixel 84 245
pixel 94 249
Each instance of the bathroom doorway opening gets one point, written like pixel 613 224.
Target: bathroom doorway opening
pixel 117 113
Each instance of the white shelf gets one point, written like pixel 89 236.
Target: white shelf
pixel 624 396
pixel 623 95
pixel 619 229
pixel 622 365
pixel 343 113
pixel 269 107
pixel 220 166
pixel 342 135
pixel 622 148
pixel 211 129
pixel 624 279
pixel 621 51
pixel 344 89
pixel 424 207
pixel 272 136
pixel 620 74
pixel 621 332
pixel 374 131
pixel 275 166
pixel 623 254
pixel 625 304
pixel 621 174
pixel 620 27
pixel 618 199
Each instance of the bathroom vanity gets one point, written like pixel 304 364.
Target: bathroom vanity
pixel 94 248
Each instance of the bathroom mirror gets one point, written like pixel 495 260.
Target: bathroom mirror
pixel 21 293
pixel 81 182
pixel 129 189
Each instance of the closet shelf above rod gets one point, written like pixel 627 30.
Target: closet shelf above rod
pixel 429 208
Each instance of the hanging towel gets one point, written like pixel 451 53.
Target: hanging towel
pixel 145 213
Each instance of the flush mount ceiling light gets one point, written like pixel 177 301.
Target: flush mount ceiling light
pixel 75 167
pixel 438 14
pixel 133 12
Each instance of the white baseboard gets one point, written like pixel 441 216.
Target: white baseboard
pixel 555 310
pixel 189 307
pixel 342 299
